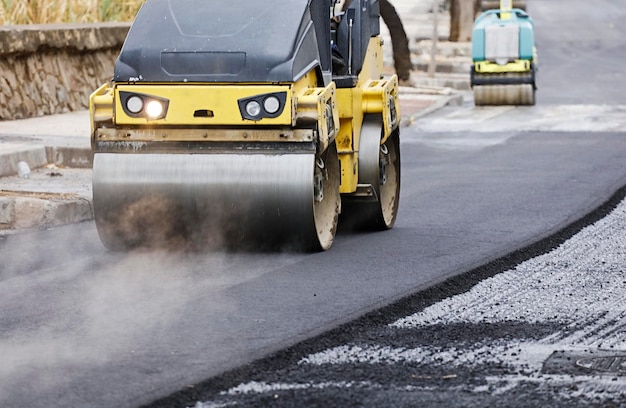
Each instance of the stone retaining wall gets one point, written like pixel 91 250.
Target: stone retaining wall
pixel 50 69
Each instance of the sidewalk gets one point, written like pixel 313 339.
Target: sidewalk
pixel 58 152
pixel 58 189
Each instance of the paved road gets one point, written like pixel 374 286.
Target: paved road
pixel 83 327
pixel 546 332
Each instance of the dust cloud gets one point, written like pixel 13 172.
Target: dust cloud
pixel 70 308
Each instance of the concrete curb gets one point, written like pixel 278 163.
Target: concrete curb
pixel 50 196
pixel 21 210
pixel 452 100
pixel 11 154
pixel 37 156
pixel 74 157
pixel 437 102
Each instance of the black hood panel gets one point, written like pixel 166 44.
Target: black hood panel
pixel 225 41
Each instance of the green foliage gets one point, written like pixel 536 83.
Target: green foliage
pixel 104 9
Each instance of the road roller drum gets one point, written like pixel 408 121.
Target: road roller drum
pixel 166 200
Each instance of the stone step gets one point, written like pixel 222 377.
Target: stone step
pixel 446 49
pixel 459 82
pixel 443 67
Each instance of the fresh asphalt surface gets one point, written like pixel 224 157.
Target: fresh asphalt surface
pixel 85 327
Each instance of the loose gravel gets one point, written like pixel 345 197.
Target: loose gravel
pixel 549 332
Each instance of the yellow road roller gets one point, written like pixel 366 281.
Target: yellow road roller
pixel 246 125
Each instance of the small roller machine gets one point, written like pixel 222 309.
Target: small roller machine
pixel 504 57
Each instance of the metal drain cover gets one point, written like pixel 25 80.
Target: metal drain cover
pixel 586 361
pixel 610 364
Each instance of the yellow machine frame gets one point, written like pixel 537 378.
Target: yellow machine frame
pixel 312 113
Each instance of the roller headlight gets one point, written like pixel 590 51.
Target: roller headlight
pixel 154 109
pixel 270 105
pixel 134 104
pixel 253 108
pixel 138 105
